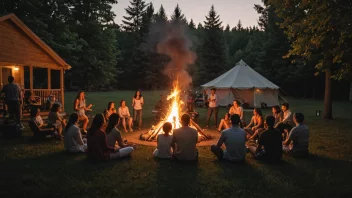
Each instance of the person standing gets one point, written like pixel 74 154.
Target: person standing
pixel 234 139
pixel 213 107
pixel 13 97
pixel 137 103
pixel 184 141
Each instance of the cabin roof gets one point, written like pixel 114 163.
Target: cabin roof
pixel 35 39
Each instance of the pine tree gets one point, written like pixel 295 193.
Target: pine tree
pixel 227 29
pixel 177 17
pixel 213 57
pixel 199 26
pixel 134 20
pixel 192 25
pixel 161 16
pixel 212 20
pixel 239 26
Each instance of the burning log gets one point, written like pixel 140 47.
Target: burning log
pixel 156 132
pixel 200 130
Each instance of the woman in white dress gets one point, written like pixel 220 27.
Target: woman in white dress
pixel 137 103
pixel 80 108
pixel 124 114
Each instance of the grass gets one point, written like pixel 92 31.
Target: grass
pixel 38 169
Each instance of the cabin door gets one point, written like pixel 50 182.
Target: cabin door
pixel 6 72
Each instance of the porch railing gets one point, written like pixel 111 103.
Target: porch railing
pixel 45 93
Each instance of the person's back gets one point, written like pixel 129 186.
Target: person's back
pixel 300 137
pixel 112 137
pixel 71 138
pixel 12 92
pixel 164 146
pixel 97 146
pixel 234 139
pixel 186 139
pixel 271 139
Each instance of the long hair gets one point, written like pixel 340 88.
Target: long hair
pixel 140 94
pixel 71 121
pixel 258 111
pixel 77 98
pixel 228 116
pixel 277 109
pixel 113 120
pixel 109 105
pixel 98 122
pixel 55 107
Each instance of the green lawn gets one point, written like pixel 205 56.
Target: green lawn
pixel 42 169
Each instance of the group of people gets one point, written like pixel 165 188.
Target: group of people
pixel 123 112
pixel 277 133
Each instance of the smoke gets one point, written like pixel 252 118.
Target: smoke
pixel 172 40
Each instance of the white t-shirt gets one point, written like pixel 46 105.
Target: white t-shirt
pixel 164 146
pixel 138 103
pixel 213 103
pixel 124 112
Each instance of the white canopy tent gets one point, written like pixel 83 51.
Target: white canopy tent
pixel 244 84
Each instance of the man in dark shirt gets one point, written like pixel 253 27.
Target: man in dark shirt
pixel 271 140
pixel 13 96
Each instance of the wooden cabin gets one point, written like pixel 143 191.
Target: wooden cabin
pixel 20 50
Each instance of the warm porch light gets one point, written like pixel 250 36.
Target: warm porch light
pixel 258 90
pixel 16 68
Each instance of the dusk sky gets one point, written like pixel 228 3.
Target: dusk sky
pixel 230 11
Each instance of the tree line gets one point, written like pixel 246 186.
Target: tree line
pixel 293 42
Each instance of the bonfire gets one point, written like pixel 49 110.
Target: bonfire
pixel 173 115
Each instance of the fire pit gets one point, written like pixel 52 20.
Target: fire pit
pixel 172 116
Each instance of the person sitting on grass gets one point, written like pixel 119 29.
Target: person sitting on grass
pixel 113 135
pixel 237 109
pixel 286 123
pixel 277 113
pixel 225 123
pixel 54 118
pixel 184 141
pixel 255 124
pixel 43 127
pixel 73 138
pixel 109 111
pixel 164 141
pixel 234 139
pixel 299 136
pixel 125 116
pixel 98 148
pixel 271 140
